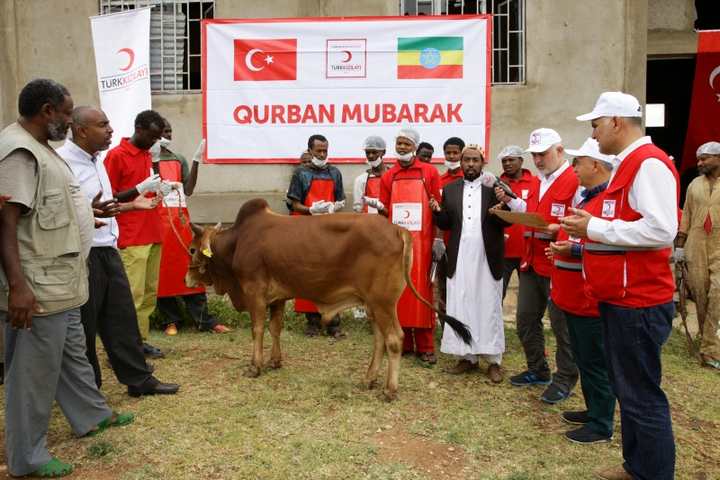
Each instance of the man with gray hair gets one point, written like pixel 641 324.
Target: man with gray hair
pixel 581 312
pixel 405 193
pixel 626 261
pixel 367 184
pixel 552 199
pixel 698 245
pixel 521 181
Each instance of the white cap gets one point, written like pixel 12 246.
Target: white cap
pixel 510 151
pixel 410 134
pixel 542 139
pixel 591 149
pixel 373 142
pixel 709 148
pixel 614 104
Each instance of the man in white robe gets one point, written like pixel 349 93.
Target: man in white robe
pixel 475 267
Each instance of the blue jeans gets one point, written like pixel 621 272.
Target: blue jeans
pixel 633 341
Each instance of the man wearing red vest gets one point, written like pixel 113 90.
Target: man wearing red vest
pixel 129 168
pixel 316 190
pixel 551 198
pixel 626 256
pixel 405 193
pixel 521 181
pixel 367 184
pixel 177 235
pixel 583 319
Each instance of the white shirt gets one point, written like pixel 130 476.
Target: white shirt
pixel 652 194
pixel 359 192
pixel 520 205
pixel 93 178
pixel 472 207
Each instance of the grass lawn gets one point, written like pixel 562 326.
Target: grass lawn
pixel 313 419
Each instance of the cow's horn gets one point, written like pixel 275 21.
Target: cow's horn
pixel 197 229
pixel 218 225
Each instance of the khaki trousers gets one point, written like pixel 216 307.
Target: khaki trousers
pixel 142 265
pixel 702 253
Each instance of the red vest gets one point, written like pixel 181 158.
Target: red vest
pixel 626 276
pixel 320 189
pixel 567 286
pixel 372 190
pixel 554 204
pixel 410 208
pixel 174 258
pixel 514 241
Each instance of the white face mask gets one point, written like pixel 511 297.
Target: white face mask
pixel 375 163
pixel 452 165
pixel 319 163
pixel 155 151
pixel 405 157
pixel 164 142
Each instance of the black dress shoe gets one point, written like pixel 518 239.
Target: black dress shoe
pixel 153 386
pixel 152 352
pixel 576 418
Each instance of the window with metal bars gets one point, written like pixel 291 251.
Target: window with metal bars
pixel 508 59
pixel 174 40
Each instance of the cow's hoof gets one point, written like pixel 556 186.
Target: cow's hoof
pixel 252 372
pixel 390 396
pixel 371 384
pixel 275 363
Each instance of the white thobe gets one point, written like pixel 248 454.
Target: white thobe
pixel 474 297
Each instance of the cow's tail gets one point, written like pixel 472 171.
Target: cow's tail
pixel 460 328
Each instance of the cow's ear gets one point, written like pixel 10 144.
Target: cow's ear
pixel 197 229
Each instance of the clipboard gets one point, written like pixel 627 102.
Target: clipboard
pixel 533 220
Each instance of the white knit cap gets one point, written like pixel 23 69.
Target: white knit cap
pixel 709 148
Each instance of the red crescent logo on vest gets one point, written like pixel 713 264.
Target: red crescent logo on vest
pixel 348 54
pixel 407 214
pixel 714 73
pixel 131 58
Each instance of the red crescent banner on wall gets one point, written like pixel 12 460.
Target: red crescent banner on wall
pixel 704 124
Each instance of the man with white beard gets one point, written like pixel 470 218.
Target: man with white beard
pixel 474 267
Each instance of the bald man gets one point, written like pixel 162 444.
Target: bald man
pixel 109 311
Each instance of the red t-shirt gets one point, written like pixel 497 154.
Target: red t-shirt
pixel 126 166
pixel 429 174
pixel 515 243
pixel 449 177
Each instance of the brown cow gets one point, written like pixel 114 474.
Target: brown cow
pixel 337 261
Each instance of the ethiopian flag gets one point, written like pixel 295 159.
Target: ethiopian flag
pixel 430 57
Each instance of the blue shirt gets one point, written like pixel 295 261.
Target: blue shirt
pixel 303 177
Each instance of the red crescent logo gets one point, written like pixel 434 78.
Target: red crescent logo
pixel 348 53
pixel 131 58
pixel 407 214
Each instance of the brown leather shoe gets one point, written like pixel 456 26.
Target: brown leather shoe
pixel 462 366
pixel 494 373
pixel 613 473
pixel 427 357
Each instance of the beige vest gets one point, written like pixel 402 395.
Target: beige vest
pixel 48 236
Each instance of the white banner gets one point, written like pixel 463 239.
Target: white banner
pixel 270 84
pixel 122 59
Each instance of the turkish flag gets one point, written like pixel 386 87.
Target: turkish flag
pixel 704 125
pixel 268 59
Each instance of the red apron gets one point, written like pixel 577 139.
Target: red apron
pixel 372 190
pixel 174 259
pixel 320 189
pixel 410 208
